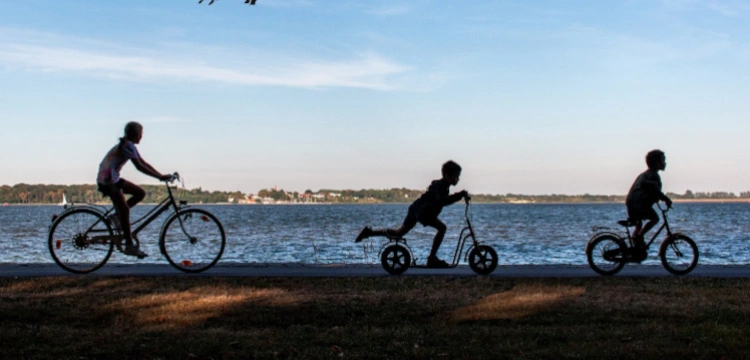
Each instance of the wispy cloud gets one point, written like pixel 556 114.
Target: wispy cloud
pixel 393 10
pixel 727 8
pixel 358 70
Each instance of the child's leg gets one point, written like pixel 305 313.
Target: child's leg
pixel 653 219
pixel 392 233
pixel 400 232
pixel 441 228
pixel 649 225
pixel 408 224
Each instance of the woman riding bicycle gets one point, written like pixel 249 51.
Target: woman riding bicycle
pixel 111 185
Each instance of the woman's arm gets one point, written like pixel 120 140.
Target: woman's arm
pixel 149 170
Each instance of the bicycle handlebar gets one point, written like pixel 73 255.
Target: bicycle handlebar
pixel 175 176
pixel 658 204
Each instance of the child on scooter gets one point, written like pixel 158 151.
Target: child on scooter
pixel 425 210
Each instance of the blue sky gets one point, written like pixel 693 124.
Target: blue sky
pixel 534 97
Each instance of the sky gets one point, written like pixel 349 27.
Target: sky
pixel 531 97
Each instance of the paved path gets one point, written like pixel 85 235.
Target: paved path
pixel 351 270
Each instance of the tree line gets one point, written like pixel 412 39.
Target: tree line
pixel 53 194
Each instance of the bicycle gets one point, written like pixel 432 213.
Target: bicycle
pixel 396 255
pixel 608 252
pixel 82 238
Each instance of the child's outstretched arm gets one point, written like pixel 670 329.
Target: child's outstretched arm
pixel 449 200
pixel 666 199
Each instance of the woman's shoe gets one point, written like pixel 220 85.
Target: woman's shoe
pixel 133 250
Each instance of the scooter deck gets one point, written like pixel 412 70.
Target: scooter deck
pixel 424 266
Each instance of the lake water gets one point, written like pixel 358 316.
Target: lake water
pixel 324 234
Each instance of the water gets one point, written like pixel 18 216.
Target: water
pixel 324 234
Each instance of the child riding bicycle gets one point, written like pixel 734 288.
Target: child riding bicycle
pixel 111 185
pixel 643 194
pixel 425 210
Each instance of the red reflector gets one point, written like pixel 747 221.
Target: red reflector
pixel 58 243
pixel 204 217
pixel 187 263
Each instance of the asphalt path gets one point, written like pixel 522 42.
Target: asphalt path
pixel 359 270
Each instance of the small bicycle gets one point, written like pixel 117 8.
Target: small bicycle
pixel 608 252
pixel 82 238
pixel 396 255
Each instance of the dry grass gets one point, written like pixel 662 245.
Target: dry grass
pixel 521 301
pixel 392 317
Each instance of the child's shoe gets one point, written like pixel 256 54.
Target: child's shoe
pixel 364 234
pixel 434 262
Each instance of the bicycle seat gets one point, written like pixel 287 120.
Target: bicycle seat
pixel 627 223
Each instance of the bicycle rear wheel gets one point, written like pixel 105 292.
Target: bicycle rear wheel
pixel 605 254
pixel 679 254
pixel 395 259
pixel 70 241
pixel 192 240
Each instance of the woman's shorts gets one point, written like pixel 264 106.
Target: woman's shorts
pixel 107 189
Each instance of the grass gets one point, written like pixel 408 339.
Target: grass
pixel 388 317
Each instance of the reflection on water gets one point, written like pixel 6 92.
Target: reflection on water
pixel 521 234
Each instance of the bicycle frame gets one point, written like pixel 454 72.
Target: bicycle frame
pixel 145 220
pixel 153 214
pixel 664 225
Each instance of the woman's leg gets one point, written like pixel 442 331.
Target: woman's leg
pixel 122 207
pixel 137 194
pixel 123 212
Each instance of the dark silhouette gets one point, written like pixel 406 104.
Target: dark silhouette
pixel 111 185
pixel 643 194
pixel 608 251
pixel 425 210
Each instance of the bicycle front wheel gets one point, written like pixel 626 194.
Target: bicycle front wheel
pixel 605 254
pixel 679 254
pixel 71 241
pixel 192 240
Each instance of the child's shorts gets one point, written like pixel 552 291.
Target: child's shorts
pixel 413 217
pixel 636 214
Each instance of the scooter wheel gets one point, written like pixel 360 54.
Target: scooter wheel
pixel 395 259
pixel 483 259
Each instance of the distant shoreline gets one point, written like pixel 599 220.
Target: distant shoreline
pixel 682 201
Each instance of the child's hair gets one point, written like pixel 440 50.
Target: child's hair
pixel 653 157
pixel 451 168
